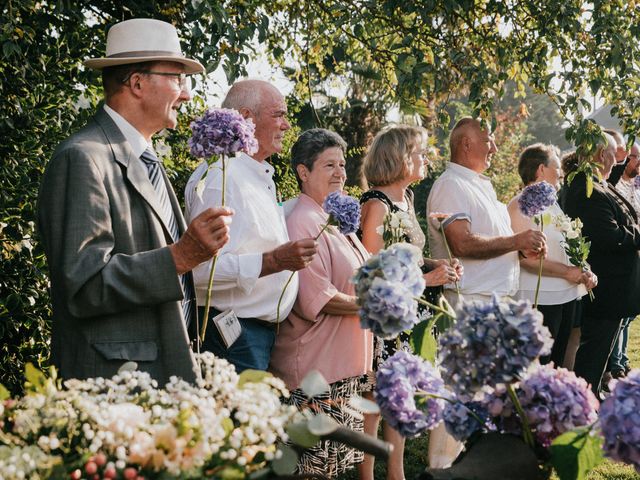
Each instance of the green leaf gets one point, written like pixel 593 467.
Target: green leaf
pixel 4 393
pixel 575 453
pixel 322 424
pixel 422 340
pixel 36 380
pixel 589 186
pixel 300 435
pixel 286 464
pixel 128 367
pixel 227 424
pixel 231 473
pixel 314 384
pixel 252 376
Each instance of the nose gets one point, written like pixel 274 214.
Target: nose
pixel 185 93
pixel 285 124
pixel 493 147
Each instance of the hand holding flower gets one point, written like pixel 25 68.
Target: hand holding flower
pixel 441 275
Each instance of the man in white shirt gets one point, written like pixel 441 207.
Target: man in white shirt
pixel 478 229
pixel 253 268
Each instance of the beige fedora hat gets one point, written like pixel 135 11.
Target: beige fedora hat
pixel 143 40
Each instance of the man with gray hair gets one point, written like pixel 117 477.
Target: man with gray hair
pixel 119 251
pixel 253 268
pixel 610 223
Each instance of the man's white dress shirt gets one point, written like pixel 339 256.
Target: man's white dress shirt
pixel 257 226
pixel 468 195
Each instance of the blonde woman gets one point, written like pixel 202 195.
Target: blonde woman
pixel 396 159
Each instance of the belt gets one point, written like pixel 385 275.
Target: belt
pixel 255 321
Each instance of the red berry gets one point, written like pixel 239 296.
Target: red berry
pixel 100 459
pixel 76 474
pixel 90 468
pixel 130 473
pixel 110 473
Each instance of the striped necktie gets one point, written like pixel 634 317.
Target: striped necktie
pixel 154 169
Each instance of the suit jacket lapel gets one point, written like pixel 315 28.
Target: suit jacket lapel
pixel 135 171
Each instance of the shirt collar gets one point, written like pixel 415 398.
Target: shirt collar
pixel 261 168
pixel 136 141
pixel 465 172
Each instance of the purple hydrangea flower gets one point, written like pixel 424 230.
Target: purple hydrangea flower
pixel 460 421
pixel 403 384
pixel 387 286
pixel 389 308
pixel 222 131
pixel 491 343
pixel 620 421
pixel 344 212
pixel 555 401
pixel 636 181
pixel 536 198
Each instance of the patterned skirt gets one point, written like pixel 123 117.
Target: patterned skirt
pixel 330 458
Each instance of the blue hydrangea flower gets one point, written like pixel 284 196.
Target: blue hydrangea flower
pixel 491 343
pixel 403 384
pixel 389 308
pixel 386 287
pixel 536 198
pixel 460 421
pixel 344 211
pixel 222 131
pixel 620 421
pixel 555 401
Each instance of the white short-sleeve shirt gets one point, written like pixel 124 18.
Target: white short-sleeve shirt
pixel 468 195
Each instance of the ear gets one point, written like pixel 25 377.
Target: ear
pixel 246 113
pixel 135 84
pixel 540 171
pixel 303 172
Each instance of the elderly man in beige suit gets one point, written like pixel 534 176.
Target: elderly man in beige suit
pixel 119 251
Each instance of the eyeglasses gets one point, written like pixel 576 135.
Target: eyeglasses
pixel 182 77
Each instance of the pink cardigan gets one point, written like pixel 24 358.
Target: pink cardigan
pixel 310 339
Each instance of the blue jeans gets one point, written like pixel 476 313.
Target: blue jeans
pixel 252 349
pixel 619 359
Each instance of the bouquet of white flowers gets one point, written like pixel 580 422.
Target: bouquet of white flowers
pixel 575 245
pixel 226 425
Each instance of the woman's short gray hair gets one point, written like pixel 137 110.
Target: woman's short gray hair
pixel 312 143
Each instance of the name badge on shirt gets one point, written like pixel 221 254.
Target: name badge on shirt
pixel 229 327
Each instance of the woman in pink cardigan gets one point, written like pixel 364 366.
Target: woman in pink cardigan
pixel 323 331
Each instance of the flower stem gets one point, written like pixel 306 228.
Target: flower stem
pixel 432 306
pixel 326 225
pixel 526 429
pixel 207 305
pixel 446 244
pixel 535 299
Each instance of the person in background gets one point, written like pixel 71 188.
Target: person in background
pixel 562 283
pixel 119 251
pixel 618 365
pixel 396 159
pixel 478 229
pixel 323 331
pixel 254 266
pixel 611 225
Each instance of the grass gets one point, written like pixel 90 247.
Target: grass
pixel 416 449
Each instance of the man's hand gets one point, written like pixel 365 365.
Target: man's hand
pixel 291 256
pixel 441 275
pixel 589 279
pixel 206 234
pixel 531 243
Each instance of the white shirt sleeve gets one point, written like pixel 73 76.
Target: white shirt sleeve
pixel 233 270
